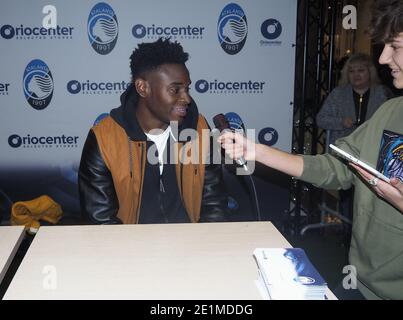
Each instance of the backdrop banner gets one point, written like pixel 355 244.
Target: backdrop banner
pixel 55 83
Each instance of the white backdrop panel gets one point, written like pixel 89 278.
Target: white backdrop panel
pixel 52 138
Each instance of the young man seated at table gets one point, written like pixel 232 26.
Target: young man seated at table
pixel 132 167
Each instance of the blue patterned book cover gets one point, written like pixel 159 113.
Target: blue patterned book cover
pixel 305 272
pixel 390 160
pixel 289 274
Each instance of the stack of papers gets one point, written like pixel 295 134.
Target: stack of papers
pixel 287 274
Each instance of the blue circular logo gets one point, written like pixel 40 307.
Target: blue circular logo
pixel 271 29
pixel 139 31
pixel 74 86
pixel 268 136
pixel 14 141
pixel 234 121
pixel 304 280
pixel 232 28
pixel 38 84
pixel 102 28
pixel 202 86
pixel 7 31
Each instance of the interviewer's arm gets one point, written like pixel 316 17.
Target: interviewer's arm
pixel 237 146
pixel 290 164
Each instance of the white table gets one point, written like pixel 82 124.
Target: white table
pixel 10 239
pixel 165 261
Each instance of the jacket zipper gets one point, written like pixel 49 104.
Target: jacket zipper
pixel 160 196
pixel 161 192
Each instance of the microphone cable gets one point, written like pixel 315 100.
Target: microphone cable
pixel 221 123
pixel 252 182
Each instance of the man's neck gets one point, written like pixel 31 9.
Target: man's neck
pixel 147 121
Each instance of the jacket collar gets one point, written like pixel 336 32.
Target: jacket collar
pixel 125 115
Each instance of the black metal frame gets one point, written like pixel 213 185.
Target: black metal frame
pixel 315 77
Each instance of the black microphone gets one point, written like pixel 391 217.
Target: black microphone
pixel 222 124
pixel 235 123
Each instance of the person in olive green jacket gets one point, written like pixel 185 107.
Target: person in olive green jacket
pixel 376 250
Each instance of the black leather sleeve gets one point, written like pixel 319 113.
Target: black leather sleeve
pixel 214 200
pixel 98 200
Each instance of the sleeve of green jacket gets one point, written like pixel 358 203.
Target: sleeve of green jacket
pixel 329 171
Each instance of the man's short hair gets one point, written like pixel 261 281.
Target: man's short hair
pixel 387 20
pixel 150 56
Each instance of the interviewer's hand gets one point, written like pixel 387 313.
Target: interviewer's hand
pixel 392 193
pixel 237 146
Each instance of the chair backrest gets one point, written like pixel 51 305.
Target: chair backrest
pixel 5 206
pixel 327 140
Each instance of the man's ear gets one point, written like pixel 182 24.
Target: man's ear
pixel 142 87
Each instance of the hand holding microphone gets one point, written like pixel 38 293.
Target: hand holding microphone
pixel 234 143
pixel 237 146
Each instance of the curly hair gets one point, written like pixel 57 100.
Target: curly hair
pixel 150 56
pixel 363 59
pixel 387 20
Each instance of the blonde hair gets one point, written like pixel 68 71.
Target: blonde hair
pixel 359 58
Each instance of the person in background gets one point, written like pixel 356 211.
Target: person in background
pixel 376 245
pixel 348 106
pixel 133 169
pixel 355 100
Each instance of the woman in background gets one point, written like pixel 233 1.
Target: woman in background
pixel 355 100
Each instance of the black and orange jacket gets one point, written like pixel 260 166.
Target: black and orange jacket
pixel 112 167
